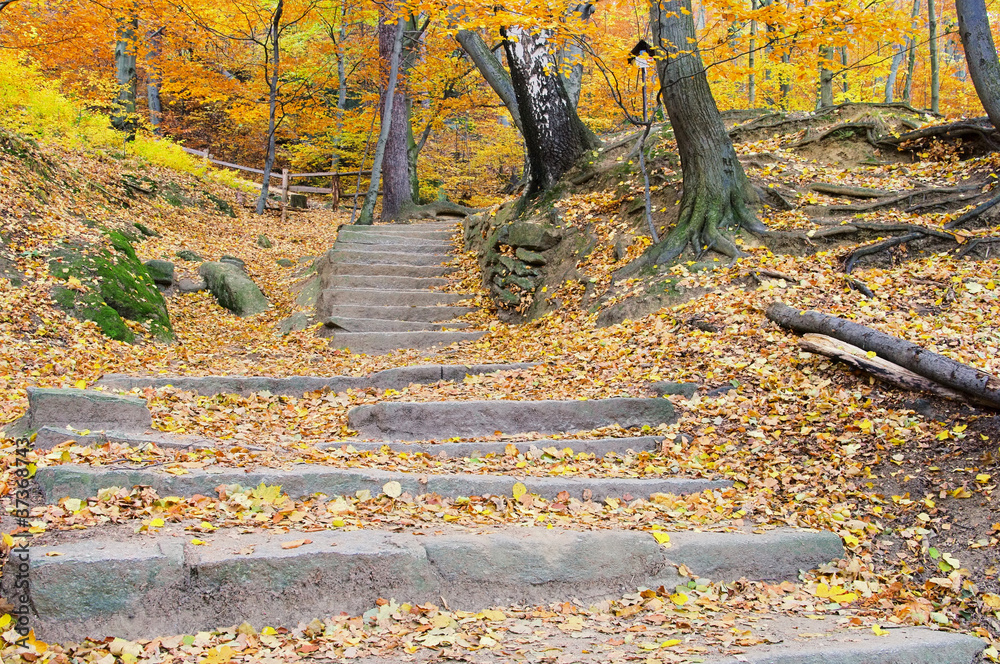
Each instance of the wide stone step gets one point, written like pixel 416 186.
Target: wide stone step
pixel 81 481
pixel 384 257
pixel 403 420
pixel 404 247
pixel 382 282
pixel 336 324
pixel 144 587
pixel 295 386
pixel 450 225
pixel 381 270
pixel 49 437
pixel 380 343
pixel 599 447
pixel 384 298
pixel 422 314
pixel 347 232
pixel 394 240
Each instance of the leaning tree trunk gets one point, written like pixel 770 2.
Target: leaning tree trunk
pixel 935 65
pixel 397 192
pixel 554 136
pixel 491 70
pixel 272 104
pixel 717 194
pixel 123 118
pixel 980 54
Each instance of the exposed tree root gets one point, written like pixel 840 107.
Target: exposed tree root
pixel 974 213
pixel 907 197
pixel 984 244
pixel 849 192
pixel 870 130
pixel 979 130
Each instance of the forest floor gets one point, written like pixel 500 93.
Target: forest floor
pixel 908 481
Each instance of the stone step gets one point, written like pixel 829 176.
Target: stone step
pixel 384 298
pixel 82 409
pixel 141 586
pixel 404 247
pixel 338 324
pixel 422 314
pixel 389 379
pixel 394 240
pixel 382 282
pixel 384 257
pixel 82 481
pixel 49 437
pixel 599 447
pixel 380 270
pixel 380 343
pixel 431 235
pixel 452 226
pixel 401 420
pixel 897 646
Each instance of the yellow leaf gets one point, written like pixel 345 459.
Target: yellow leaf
pixel 670 643
pixel 879 631
pixel 660 537
pixel 519 490
pixel 680 599
pixel 80 384
pixel 494 614
pixel 156 523
pixel 392 489
pixel 197 542
pixel 991 600
pixel 73 504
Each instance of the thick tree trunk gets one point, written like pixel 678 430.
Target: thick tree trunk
pixel 717 194
pixel 553 133
pixel 935 67
pixel 945 371
pixel 825 77
pixel 123 118
pixel 368 210
pixel 154 79
pixel 981 54
pixel 272 100
pixel 492 70
pixel 396 187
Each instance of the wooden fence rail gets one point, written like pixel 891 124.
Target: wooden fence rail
pixel 285 176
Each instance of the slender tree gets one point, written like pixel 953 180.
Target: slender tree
pixel 274 55
pixel 154 79
pixel 123 118
pixel 935 65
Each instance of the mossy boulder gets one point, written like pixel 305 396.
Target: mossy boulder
pixel 146 230
pixel 221 205
pixel 530 257
pixel 162 272
pixel 233 260
pixel 533 236
pixel 233 289
pixel 264 241
pixel 188 255
pixel 285 262
pixel 108 285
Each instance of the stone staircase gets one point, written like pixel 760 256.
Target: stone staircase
pixel 376 292
pixel 111 580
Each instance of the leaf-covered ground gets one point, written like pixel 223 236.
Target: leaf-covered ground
pixel 908 482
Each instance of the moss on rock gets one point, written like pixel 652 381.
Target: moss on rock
pixel 115 285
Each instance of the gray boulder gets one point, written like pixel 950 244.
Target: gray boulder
pixel 162 272
pixel 294 323
pixel 233 288
pixel 530 257
pixel 665 387
pixel 191 285
pixel 264 241
pixel 532 236
pixel 285 262
pixel 188 255
pixel 238 262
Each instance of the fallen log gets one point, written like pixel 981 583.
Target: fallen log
pixel 982 387
pixel 881 369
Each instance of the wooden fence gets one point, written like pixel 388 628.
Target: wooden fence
pixel 333 190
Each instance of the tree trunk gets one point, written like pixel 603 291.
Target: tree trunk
pixel 553 133
pixel 154 79
pixel 890 82
pixel 717 194
pixel 843 64
pixel 911 57
pixel 935 71
pixel 921 361
pixel 980 54
pixel 396 188
pixel 368 210
pixel 123 118
pixel 272 101
pixel 572 53
pixel 825 76
pixel 751 56
pixel 491 70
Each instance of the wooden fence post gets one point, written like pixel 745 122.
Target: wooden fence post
pixel 284 193
pixel 335 191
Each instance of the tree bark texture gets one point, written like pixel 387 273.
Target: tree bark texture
pixel 272 100
pixel 553 133
pixel 492 70
pixel 368 210
pixel 717 194
pixel 154 79
pixel 397 192
pixel 980 54
pixel 825 76
pixel 125 60
pixel 984 387
pixel 911 57
pixel 935 66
